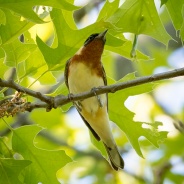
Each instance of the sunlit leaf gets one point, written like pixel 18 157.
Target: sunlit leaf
pixel 163 2
pixel 16 52
pixel 5 151
pixel 108 9
pixel 25 8
pixel 45 163
pixel 182 32
pixel 36 68
pixel 99 145
pixel 125 50
pixel 3 68
pixel 10 170
pixel 140 17
pixel 13 28
pixel 160 60
pixel 2 17
pixel 175 11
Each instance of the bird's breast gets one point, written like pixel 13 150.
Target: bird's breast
pixel 81 79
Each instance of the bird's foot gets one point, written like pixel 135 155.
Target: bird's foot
pixel 70 96
pixel 77 104
pixel 98 98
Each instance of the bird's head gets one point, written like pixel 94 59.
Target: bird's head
pixel 94 45
pixel 96 37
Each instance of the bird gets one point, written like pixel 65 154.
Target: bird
pixel 84 72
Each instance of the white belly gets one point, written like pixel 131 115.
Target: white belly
pixel 81 80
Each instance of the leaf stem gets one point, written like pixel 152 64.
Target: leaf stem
pixel 37 79
pixel 134 47
pixel 7 124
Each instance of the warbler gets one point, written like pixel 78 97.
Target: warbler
pixel 84 72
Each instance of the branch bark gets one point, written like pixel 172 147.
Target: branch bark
pixel 49 102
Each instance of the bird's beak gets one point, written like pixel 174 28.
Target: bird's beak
pixel 102 35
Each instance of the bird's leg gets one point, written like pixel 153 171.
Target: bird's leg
pixel 98 98
pixel 77 104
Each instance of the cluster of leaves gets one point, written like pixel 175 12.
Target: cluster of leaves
pixel 34 59
pixel 38 160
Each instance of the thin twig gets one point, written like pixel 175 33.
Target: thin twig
pixel 19 88
pixel 161 172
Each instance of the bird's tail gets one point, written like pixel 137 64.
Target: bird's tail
pixel 115 158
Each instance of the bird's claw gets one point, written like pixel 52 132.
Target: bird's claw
pixel 77 104
pixel 70 96
pixel 98 98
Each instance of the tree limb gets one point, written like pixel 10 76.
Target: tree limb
pixel 48 102
pixel 161 172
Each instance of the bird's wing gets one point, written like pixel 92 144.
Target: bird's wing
pixel 66 72
pixel 105 83
pixel 104 76
pixel 90 128
pixel 66 82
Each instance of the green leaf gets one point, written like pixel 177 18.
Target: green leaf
pixel 140 17
pixel 108 9
pixel 99 145
pixel 175 11
pixel 45 163
pixel 3 68
pixel 125 50
pixel 2 17
pixel 36 68
pixel 25 7
pixel 2 55
pixel 13 27
pixel 182 32
pixel 16 52
pixel 68 16
pixel 124 118
pixel 163 2
pixel 32 64
pixel 160 60
pixel 10 170
pixel 182 27
pixel 176 144
pixel 5 151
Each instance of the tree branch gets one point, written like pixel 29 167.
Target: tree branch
pixel 11 84
pixel 161 172
pixel 48 102
pixel 62 100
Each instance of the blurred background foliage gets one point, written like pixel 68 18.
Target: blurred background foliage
pixel 65 130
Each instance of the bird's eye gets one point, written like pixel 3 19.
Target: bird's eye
pixel 90 38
